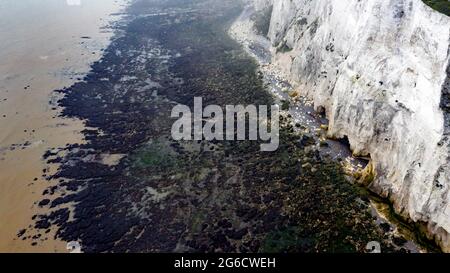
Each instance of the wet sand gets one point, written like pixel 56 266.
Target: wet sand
pixel 45 46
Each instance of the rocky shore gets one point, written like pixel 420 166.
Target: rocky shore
pixel 132 188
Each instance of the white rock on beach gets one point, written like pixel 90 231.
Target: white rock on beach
pixel 379 68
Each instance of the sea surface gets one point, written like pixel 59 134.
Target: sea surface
pixel 45 45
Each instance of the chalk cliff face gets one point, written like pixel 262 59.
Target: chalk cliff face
pixel 380 68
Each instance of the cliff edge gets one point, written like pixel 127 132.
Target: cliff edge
pixel 381 70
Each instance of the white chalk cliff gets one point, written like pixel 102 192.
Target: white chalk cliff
pixel 380 69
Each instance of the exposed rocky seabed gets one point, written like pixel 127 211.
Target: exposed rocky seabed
pixel 132 188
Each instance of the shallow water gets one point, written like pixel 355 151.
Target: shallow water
pixel 44 45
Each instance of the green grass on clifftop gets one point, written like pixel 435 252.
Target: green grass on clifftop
pixel 442 6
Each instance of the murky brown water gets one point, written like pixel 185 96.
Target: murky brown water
pixel 44 45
